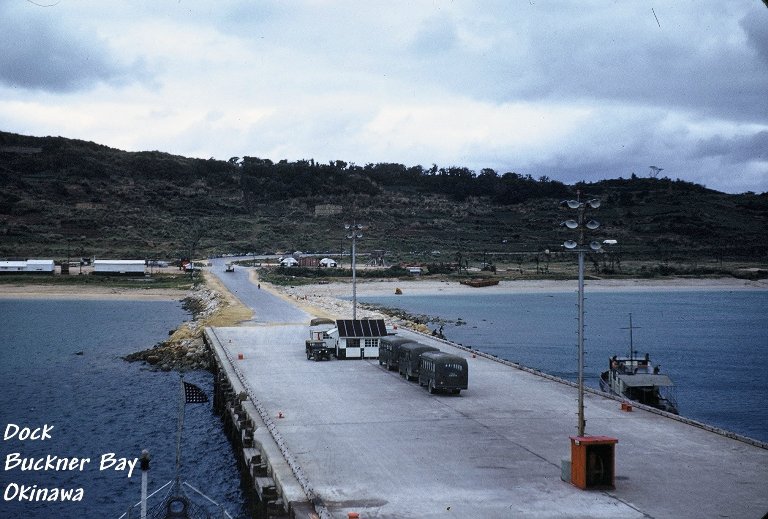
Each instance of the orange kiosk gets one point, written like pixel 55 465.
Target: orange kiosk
pixel 593 462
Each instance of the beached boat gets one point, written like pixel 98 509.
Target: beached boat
pixel 480 282
pixel 635 378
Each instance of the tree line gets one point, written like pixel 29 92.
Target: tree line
pixel 263 179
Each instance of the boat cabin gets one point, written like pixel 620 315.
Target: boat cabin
pixel 637 379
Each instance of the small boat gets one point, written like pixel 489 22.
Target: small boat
pixel 635 378
pixel 479 282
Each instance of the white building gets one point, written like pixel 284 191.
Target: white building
pixel 358 339
pixel 289 262
pixel 119 267
pixel 328 263
pixel 28 266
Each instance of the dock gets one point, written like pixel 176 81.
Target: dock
pixel 331 439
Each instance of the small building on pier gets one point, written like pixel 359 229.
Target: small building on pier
pixel 358 338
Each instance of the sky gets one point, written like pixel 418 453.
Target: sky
pixel 571 90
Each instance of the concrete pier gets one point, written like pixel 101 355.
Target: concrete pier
pixel 323 439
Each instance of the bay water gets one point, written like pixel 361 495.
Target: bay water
pixel 61 367
pixel 713 344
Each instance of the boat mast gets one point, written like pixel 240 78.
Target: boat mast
pixel 631 343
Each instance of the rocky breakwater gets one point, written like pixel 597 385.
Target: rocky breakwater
pixel 185 349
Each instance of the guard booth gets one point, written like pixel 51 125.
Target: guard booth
pixel 359 338
pixel 593 462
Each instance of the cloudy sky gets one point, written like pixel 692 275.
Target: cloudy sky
pixel 574 90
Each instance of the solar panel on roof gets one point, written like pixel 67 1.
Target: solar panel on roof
pixel 361 328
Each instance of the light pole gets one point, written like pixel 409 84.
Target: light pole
pixel 581 247
pixel 354 234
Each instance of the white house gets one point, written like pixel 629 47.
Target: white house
pixel 118 267
pixel 289 262
pixel 328 263
pixel 45 266
pixel 28 266
pixel 13 266
pixel 358 339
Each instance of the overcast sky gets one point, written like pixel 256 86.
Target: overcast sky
pixel 574 90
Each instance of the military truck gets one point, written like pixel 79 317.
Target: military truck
pixel 320 345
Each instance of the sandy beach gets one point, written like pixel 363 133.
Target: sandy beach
pixel 331 299
pixel 325 299
pixel 37 291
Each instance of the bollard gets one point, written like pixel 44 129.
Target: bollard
pixel 240 356
pixel 353 515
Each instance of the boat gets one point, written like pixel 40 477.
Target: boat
pixel 176 499
pixel 636 379
pixel 479 282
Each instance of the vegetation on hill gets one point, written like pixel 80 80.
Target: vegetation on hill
pixel 65 198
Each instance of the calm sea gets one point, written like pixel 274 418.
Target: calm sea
pixel 714 345
pixel 99 404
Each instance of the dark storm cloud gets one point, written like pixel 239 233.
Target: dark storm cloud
pixel 39 53
pixel 736 149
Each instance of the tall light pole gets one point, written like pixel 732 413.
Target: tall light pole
pixel 581 247
pixel 354 234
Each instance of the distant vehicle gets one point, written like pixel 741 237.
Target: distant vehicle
pixel 230 267
pixel 441 371
pixel 389 351
pixel 409 359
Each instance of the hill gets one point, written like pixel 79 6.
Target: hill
pixel 68 198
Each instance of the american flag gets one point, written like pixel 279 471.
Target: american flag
pixel 193 394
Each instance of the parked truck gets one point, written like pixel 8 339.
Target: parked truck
pixel 320 345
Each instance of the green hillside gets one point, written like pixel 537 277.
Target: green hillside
pixel 67 198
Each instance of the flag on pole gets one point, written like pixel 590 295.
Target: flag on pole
pixel 193 394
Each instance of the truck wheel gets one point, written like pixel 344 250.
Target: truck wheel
pixel 431 388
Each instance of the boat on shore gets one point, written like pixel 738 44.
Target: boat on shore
pixel 636 379
pixel 479 282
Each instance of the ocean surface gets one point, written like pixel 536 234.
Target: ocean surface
pixel 100 405
pixel 713 344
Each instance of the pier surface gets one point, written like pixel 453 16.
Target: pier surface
pixel 351 436
pixel 366 440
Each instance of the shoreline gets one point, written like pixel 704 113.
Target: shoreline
pixel 334 299
pixel 36 291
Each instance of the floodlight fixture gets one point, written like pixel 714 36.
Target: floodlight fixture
pixel 354 235
pixel 581 247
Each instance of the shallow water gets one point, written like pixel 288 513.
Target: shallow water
pixel 99 404
pixel 714 345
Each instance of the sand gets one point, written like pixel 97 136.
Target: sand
pixel 36 291
pixel 323 300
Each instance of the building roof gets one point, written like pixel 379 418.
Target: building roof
pixel 361 328
pixel 117 262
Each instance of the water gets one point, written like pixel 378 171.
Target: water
pixel 714 345
pixel 99 404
